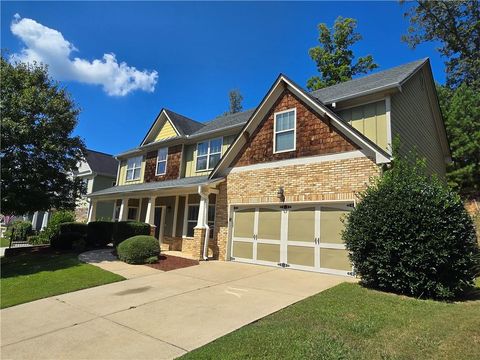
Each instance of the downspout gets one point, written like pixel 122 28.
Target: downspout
pixel 204 198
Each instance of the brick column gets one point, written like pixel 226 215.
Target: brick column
pixel 198 239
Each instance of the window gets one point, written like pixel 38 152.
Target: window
pixel 162 161
pixel 132 213
pixel 208 154
pixel 284 129
pixel 193 217
pixel 133 168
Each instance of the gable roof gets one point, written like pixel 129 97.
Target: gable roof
pixel 225 121
pixel 183 124
pixel 277 89
pixel 381 80
pixel 101 163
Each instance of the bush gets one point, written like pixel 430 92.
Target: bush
pixel 127 229
pixel 53 227
pixel 411 234
pixel 138 249
pixel 66 241
pixel 70 227
pixel 36 240
pixel 20 230
pixel 100 233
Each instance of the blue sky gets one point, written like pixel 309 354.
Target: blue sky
pixel 188 56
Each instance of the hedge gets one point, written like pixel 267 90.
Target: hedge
pixel 68 241
pixel 100 233
pixel 70 227
pixel 20 230
pixel 139 249
pixel 127 229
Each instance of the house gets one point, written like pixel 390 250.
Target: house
pixel 98 171
pixel 270 185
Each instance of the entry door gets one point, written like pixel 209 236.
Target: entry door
pixel 157 220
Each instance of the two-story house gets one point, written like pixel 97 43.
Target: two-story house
pixel 271 185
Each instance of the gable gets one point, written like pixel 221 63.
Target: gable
pixel 314 135
pixel 166 131
pixel 161 129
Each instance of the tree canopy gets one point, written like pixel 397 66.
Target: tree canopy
pixel 236 99
pixel 39 153
pixel 334 56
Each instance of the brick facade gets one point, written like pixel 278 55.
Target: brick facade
pixel 330 180
pixel 174 159
pixel 314 136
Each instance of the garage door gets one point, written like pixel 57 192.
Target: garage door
pixel 304 237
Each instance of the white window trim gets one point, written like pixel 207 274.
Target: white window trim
pixel 280 132
pixel 208 168
pixel 166 162
pixel 133 169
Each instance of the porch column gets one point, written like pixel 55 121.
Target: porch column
pixel 114 209
pixel 35 220
pixel 123 210
pixel 175 216
pixel 150 215
pixel 45 220
pixel 202 212
pixel 92 211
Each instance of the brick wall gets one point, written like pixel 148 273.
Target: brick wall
pixel 173 165
pixel 314 136
pixel 330 180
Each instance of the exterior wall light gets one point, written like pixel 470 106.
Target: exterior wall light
pixel 281 194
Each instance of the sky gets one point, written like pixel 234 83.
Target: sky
pixel 123 62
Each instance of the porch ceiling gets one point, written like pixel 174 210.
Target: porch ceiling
pixel 177 185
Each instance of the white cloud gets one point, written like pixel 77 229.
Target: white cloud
pixel 48 46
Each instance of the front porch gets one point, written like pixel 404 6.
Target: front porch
pixel 181 218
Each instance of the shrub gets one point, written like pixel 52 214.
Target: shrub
pixel 20 230
pixel 138 249
pixel 127 229
pixel 411 234
pixel 100 233
pixel 70 227
pixel 65 241
pixel 36 240
pixel 57 218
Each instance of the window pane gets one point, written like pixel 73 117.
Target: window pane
pixel 161 167
pixel 284 141
pixel 201 163
pixel 190 226
pixel 134 162
pixel 211 213
pixel 129 174
pixel 162 154
pixel 193 212
pixel 136 173
pixel 285 121
pixel 132 214
pixel 202 148
pixel 216 146
pixel 214 159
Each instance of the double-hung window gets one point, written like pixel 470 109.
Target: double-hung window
pixel 162 161
pixel 208 154
pixel 284 131
pixel 193 218
pixel 134 166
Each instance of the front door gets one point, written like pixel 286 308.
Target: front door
pixel 157 220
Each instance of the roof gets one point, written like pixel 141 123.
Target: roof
pixel 225 121
pixel 101 163
pixel 367 84
pixel 185 125
pixel 156 185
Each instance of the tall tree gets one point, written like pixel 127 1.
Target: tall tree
pixel 236 99
pixel 334 56
pixel 38 152
pixel 461 113
pixel 456 25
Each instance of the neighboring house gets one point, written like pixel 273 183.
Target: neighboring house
pixel 99 171
pixel 270 185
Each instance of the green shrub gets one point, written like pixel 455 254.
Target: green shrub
pixel 151 259
pixel 411 234
pixel 20 230
pixel 127 229
pixel 138 249
pixel 65 241
pixel 36 240
pixel 79 245
pixel 53 227
pixel 100 233
pixel 70 227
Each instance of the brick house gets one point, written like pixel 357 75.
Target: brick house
pixel 271 185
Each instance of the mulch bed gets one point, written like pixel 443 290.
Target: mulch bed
pixel 169 262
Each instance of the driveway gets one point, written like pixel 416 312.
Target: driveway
pixel 157 316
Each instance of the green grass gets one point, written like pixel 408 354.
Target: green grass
pixel 30 277
pixel 4 242
pixel 351 322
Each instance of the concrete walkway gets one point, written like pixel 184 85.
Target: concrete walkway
pixel 104 259
pixel 157 316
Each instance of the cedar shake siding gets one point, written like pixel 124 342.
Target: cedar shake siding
pixel 314 136
pixel 173 165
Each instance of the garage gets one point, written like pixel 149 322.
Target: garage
pixel 305 237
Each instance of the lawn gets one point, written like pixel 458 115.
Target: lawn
pixel 34 276
pixel 4 242
pixel 351 322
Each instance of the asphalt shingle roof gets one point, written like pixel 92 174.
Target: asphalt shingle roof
pixel 102 163
pixel 226 121
pixel 156 185
pixel 393 76
pixel 184 124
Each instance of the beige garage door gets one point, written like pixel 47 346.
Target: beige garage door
pixel 306 237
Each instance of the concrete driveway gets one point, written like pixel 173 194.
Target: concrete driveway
pixel 163 315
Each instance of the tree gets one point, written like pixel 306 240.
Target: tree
pixel 461 113
pixel 334 56
pixel 38 151
pixel 236 99
pixel 456 25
